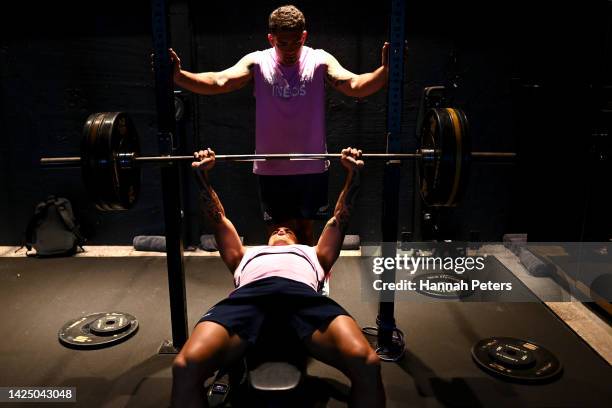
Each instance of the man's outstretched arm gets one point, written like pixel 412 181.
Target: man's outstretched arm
pixel 212 83
pixel 228 241
pixel 357 85
pixel 330 243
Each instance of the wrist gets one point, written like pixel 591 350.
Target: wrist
pixel 202 179
pixel 179 77
pixel 384 69
pixel 351 174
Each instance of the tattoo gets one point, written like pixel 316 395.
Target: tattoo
pixel 346 201
pixel 210 205
pixel 330 224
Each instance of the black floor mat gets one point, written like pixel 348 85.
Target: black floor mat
pixel 38 296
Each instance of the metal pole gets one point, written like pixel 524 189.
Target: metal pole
pixel 425 154
pixel 288 156
pixel 164 92
pixel 391 179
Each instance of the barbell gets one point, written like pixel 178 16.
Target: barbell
pixel 110 158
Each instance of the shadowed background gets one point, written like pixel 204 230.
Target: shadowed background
pixel 532 78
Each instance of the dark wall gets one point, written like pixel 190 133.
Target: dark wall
pixel 524 75
pixel 561 104
pixel 61 62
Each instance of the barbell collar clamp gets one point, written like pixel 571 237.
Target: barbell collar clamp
pixel 125 160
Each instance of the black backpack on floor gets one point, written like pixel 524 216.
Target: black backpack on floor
pixel 53 230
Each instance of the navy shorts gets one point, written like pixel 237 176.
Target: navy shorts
pixel 300 196
pixel 277 300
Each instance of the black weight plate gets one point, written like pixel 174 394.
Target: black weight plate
pixel 512 355
pixel 78 333
pixel 446 177
pixel 111 323
pixel 443 285
pixel 458 164
pixel 466 154
pixel 516 360
pixel 125 140
pixel 95 177
pixel 110 186
pixel 428 165
pixel 443 174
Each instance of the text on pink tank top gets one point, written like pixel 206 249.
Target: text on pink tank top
pixel 290 111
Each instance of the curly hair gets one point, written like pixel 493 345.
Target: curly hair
pixel 286 18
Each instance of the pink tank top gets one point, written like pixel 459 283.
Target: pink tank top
pixel 289 111
pixel 296 262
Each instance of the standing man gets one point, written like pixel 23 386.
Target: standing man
pixel 289 81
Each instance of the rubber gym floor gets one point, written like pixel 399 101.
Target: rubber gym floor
pixel 39 295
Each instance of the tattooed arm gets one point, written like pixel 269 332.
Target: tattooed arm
pixel 211 83
pixel 330 243
pixel 357 85
pixel 228 241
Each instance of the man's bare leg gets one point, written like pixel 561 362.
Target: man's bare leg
pixel 342 345
pixel 209 347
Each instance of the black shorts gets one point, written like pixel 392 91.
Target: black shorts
pixel 300 196
pixel 279 300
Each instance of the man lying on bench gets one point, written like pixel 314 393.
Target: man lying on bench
pixel 278 281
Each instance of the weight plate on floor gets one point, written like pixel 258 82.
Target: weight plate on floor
pixel 443 285
pixel 98 330
pixel 516 359
pixel 111 323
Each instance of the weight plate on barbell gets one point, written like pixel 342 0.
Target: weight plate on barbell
pixel 111 186
pixel 110 159
pixel 443 173
pixel 516 359
pixel 98 330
